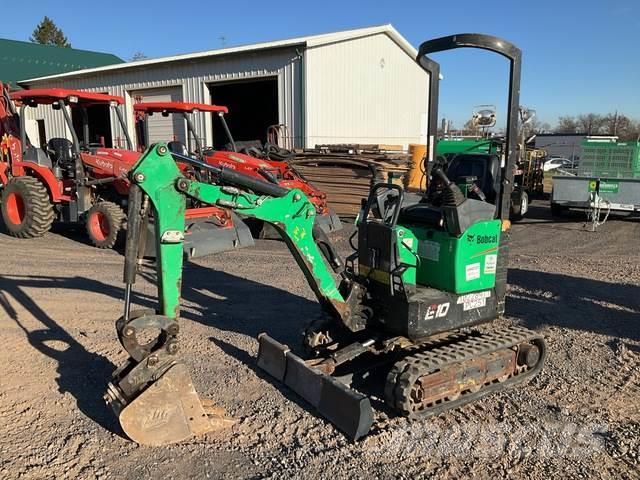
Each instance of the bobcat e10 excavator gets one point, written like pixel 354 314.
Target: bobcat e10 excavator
pixel 401 304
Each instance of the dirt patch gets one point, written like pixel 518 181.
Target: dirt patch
pixel 579 418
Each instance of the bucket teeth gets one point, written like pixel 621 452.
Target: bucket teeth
pixel 170 411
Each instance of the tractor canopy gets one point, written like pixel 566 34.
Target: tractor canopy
pixel 47 96
pixel 177 107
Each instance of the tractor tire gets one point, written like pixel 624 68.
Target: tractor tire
pixel 104 222
pixel 26 208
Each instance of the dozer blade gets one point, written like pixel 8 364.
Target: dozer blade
pixel 347 409
pixel 170 411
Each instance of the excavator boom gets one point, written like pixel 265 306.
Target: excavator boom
pixel 153 378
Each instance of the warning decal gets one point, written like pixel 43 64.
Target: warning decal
pixel 472 271
pixel 490 262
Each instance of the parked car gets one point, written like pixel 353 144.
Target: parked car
pixel 557 162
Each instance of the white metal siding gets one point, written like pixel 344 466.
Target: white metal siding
pixel 163 129
pixel 366 90
pixel 193 77
pixel 54 123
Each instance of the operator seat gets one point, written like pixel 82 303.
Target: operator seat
pixel 485 167
pixel 36 155
pixel 60 151
pixel 178 147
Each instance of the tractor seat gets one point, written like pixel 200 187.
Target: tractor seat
pixel 60 151
pixel 178 147
pixel 36 155
pixel 421 213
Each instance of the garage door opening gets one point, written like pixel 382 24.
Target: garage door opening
pixel 99 121
pixel 253 107
pixel 159 128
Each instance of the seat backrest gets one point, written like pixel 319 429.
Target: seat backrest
pixel 61 150
pixel 37 155
pixel 177 147
pixel 485 167
pixel 377 247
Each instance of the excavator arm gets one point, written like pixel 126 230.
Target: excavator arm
pixel 153 385
pixel 290 211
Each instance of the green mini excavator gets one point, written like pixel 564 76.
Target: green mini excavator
pixel 400 309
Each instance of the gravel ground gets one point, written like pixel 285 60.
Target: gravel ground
pixel 579 418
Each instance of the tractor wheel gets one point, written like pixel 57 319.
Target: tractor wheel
pixel 104 222
pixel 26 209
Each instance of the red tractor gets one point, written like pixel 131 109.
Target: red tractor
pixel 84 182
pixel 273 171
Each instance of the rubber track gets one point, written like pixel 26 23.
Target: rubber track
pixel 39 211
pixel 459 348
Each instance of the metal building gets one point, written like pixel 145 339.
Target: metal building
pixel 355 86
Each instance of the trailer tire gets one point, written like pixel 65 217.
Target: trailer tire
pixel 104 222
pixel 26 208
pixel 520 210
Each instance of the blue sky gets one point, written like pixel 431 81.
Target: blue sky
pixel 579 56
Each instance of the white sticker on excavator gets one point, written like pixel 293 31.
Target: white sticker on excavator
pixel 490 262
pixel 429 250
pixel 472 271
pixel 473 300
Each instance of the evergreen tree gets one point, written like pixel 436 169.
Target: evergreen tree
pixel 47 33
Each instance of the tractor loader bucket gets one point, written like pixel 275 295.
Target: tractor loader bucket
pixel 203 237
pixel 347 409
pixel 168 411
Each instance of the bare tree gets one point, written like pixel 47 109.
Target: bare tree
pixel 533 126
pixel 138 56
pixel 591 123
pixel 567 124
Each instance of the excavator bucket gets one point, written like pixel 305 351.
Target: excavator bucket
pixel 168 411
pixel 347 409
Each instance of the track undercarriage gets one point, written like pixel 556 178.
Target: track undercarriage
pixel 423 378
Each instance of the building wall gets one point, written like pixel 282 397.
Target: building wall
pixel 567 146
pixel 366 90
pixel 193 77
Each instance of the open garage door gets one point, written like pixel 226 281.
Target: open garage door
pixel 253 107
pixel 161 129
pixel 99 121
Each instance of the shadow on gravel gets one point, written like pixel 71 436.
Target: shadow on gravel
pixel 576 303
pixel 237 304
pixel 540 213
pixel 81 373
